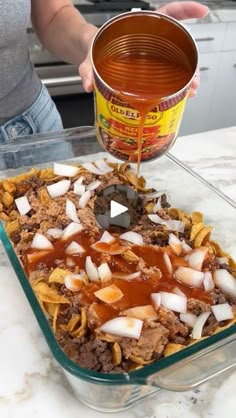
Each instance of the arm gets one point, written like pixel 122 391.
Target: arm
pixel 62 29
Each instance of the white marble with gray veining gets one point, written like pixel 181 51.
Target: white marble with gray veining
pixel 31 383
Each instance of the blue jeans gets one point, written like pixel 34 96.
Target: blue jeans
pixel 41 116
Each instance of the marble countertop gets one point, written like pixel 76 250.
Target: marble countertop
pixel 31 383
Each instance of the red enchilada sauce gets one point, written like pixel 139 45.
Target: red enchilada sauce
pixel 136 292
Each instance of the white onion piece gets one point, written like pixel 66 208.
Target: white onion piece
pixel 179 292
pixel 188 318
pixel 123 326
pixel 104 272
pixel 59 189
pixel 171 224
pixel 79 180
pixel 22 205
pixel 186 247
pixel 94 185
pixel 41 242
pixel 65 170
pixel 79 189
pixel 157 206
pixel 199 324
pixel 103 166
pixel 175 244
pixel 168 263
pixel 55 232
pixel 84 199
pixel 196 258
pixel 190 277
pixel 156 299
pixel 109 294
pixel 70 262
pixel 155 194
pixel 125 276
pixel 223 260
pixel 208 282
pixel 91 270
pixel 91 167
pixel 225 281
pixel 71 211
pixel 73 282
pixel 222 312
pixel 106 237
pixel 133 237
pixel 174 302
pixel 71 229
pixel 142 312
pixel 74 248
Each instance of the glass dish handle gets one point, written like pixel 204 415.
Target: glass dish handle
pixel 194 370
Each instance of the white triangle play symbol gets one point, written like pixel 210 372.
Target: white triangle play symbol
pixel 116 209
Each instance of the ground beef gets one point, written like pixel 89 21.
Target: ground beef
pixel 211 325
pixel 164 201
pixel 171 322
pixel 152 233
pixel 151 342
pixel 217 296
pixel 197 307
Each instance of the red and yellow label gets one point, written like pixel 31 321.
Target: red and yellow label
pixel 117 126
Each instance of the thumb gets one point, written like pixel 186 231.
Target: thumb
pixel 86 73
pixel 184 10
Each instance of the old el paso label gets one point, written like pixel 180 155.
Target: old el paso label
pixel 124 113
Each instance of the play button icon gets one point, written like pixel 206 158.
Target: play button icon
pixel 118 206
pixel 117 209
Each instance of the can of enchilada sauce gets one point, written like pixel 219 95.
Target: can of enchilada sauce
pixel 143 64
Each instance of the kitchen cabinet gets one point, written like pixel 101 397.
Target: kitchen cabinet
pixel 215 103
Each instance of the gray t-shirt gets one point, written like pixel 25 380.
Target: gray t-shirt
pixel 19 83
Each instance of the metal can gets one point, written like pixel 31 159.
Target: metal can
pixel 117 118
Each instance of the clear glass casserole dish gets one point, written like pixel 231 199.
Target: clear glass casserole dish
pixel 198 362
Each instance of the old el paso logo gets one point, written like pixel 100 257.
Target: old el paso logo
pixel 122 111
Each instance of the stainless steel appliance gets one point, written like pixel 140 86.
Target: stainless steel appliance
pixel 62 79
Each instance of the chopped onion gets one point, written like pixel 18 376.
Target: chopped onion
pixel 109 294
pixel 225 281
pixel 71 211
pixel 223 260
pixel 106 237
pixel 196 258
pixel 79 180
pixel 132 237
pixel 186 247
pixel 171 224
pixel 55 232
pixel 157 206
pixel 91 167
pixel 91 270
pixel 199 324
pixel 155 194
pixel 94 185
pixel 112 249
pixel 208 282
pixel 179 292
pixel 22 205
pixel 103 166
pixel 65 170
pixel 84 199
pixel 41 242
pixel 125 276
pixel 174 302
pixel 175 244
pixel 168 263
pixel 142 312
pixel 73 282
pixel 104 272
pixel 70 262
pixel 156 298
pixel 79 189
pixel 222 312
pixel 71 229
pixel 123 326
pixel 188 318
pixel 58 189
pixel 190 277
pixel 74 248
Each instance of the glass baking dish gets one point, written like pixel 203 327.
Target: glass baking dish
pixel 181 371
